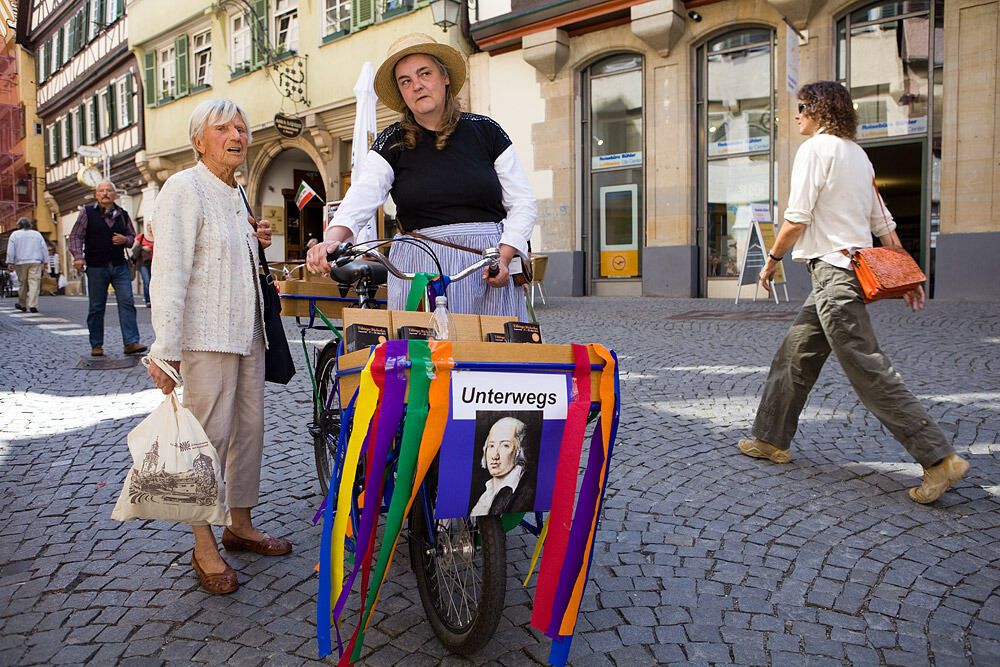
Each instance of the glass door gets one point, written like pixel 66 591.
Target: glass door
pixel 613 125
pixel 890 55
pixel 736 170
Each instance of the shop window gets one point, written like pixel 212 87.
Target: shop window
pixel 735 111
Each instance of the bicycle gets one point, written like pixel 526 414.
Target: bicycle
pixel 460 564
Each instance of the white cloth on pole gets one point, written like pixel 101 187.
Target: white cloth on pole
pixel 365 130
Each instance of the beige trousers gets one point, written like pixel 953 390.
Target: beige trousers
pixel 30 278
pixel 225 393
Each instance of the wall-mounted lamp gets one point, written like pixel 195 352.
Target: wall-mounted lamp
pixel 445 13
pixel 22 188
pixel 694 16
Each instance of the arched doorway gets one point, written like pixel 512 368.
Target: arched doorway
pixel 613 140
pixel 278 185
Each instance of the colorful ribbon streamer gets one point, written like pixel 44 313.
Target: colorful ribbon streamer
pixel 562 495
pixel 392 377
pixel 439 398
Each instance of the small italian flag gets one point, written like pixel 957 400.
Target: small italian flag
pixel 305 195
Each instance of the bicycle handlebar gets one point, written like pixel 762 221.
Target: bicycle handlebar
pixel 347 253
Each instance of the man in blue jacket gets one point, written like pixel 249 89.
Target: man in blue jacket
pixel 100 238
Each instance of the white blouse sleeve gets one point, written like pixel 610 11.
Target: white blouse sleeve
pixel 365 195
pixel 518 201
pixel 808 178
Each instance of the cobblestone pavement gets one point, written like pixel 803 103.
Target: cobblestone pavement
pixel 704 556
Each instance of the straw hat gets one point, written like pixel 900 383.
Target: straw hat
pixel 416 42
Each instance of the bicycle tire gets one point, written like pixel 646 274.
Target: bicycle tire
pixel 464 620
pixel 326 422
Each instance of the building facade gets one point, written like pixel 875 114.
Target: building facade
pixel 22 169
pixel 87 88
pixel 652 131
pixel 300 60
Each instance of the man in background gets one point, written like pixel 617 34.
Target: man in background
pixel 27 256
pixel 102 234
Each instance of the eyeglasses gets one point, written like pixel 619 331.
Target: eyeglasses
pixel 802 107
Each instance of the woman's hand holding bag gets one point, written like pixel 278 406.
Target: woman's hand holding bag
pixel 175 474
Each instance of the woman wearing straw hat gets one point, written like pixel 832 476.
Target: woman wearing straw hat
pixel 454 177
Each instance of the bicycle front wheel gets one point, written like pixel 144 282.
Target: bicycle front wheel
pixel 461 575
pixel 326 421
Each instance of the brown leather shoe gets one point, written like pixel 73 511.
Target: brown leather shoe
pixel 221 583
pixel 97 351
pixel 135 348
pixel 269 546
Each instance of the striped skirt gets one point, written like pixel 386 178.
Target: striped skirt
pixel 471 295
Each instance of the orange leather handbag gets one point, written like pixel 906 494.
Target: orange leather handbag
pixel 887 272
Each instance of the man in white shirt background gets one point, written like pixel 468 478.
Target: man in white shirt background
pixel 27 256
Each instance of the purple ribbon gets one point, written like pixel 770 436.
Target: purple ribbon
pixel 389 416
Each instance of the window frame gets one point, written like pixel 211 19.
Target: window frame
pixel 125 93
pixel 166 74
pixel 240 67
pixel 196 52
pixel 342 30
pixel 291 12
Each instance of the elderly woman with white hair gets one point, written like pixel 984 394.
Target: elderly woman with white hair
pixel 207 317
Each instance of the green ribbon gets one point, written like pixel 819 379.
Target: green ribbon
pixel 421 372
pixel 418 290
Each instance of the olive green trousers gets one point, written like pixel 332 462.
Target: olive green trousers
pixel 834 317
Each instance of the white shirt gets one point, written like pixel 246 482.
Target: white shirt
pixel 365 196
pixel 27 246
pixel 508 481
pixel 832 192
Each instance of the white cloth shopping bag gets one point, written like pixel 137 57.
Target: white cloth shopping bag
pixel 175 473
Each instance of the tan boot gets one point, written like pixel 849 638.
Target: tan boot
pixel 762 450
pixel 938 478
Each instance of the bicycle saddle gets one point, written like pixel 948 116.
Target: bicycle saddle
pixel 358 269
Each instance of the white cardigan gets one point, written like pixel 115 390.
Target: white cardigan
pixel 203 288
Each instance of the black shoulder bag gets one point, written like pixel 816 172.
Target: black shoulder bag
pixel 278 364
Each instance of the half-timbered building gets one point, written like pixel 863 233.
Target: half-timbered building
pixel 88 88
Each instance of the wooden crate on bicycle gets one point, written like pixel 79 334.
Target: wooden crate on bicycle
pixel 470 347
pixel 296 296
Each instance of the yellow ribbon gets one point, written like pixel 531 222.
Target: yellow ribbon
pixel 363 411
pixel 538 549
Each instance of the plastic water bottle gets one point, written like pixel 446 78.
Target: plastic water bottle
pixel 442 322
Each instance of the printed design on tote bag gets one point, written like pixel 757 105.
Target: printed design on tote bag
pixel 152 483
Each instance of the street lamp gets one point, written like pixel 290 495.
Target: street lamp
pixel 445 13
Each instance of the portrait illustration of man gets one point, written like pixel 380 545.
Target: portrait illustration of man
pixel 507 469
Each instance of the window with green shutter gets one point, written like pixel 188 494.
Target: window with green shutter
pixel 258 29
pixel 71 38
pixel 89 30
pixel 129 99
pixel 181 66
pixel 56 142
pixel 95 118
pixel 362 14
pixel 149 77
pixel 81 123
pixel 112 118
